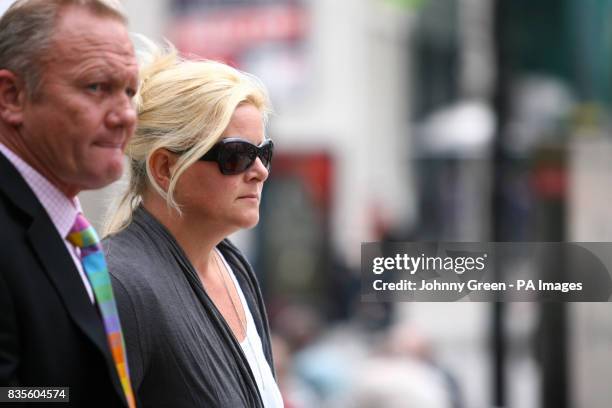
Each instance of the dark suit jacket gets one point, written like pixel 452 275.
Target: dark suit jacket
pixel 50 333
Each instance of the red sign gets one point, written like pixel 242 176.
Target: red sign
pixel 222 33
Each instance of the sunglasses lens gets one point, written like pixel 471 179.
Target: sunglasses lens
pixel 236 157
pixel 265 154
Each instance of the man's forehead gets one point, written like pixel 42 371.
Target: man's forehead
pixel 103 36
pixel 91 45
pixel 79 25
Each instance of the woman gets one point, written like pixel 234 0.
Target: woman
pixel 193 317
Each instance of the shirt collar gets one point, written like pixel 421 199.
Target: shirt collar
pixel 61 209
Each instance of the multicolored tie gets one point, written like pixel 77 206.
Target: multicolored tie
pixel 83 236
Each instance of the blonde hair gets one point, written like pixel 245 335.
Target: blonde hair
pixel 183 106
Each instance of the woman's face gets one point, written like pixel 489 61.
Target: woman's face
pixel 226 202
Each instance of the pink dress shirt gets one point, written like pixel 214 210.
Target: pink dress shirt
pixel 61 209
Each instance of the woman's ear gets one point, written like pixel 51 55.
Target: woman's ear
pixel 162 163
pixel 12 98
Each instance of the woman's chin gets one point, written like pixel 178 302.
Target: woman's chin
pixel 249 221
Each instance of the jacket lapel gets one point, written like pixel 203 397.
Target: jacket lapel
pixel 58 265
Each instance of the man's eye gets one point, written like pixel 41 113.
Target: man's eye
pixel 94 87
pixel 130 92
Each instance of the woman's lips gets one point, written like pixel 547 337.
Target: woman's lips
pixel 250 196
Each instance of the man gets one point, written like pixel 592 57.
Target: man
pixel 67 77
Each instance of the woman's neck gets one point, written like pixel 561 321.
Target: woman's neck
pixel 197 238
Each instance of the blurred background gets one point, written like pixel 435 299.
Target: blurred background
pixel 405 120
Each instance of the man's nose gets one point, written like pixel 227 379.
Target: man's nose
pixel 121 114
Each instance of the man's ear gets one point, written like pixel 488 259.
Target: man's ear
pixel 161 164
pixel 12 97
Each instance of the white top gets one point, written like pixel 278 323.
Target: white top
pixel 61 210
pixel 253 350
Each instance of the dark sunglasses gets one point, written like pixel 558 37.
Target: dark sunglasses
pixel 235 155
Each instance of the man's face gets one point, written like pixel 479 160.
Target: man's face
pixel 79 123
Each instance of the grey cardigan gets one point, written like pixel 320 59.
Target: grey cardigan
pixel 181 353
